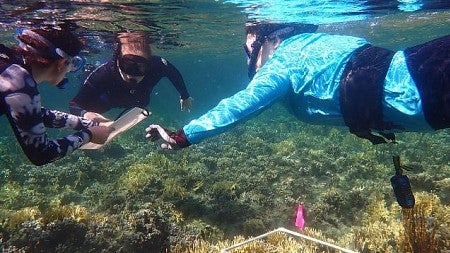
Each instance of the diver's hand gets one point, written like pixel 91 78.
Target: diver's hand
pixel 186 104
pixel 100 134
pixel 107 124
pixel 171 140
pixel 96 117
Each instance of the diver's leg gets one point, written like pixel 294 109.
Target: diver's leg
pixel 429 66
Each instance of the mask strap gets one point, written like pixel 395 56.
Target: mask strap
pixel 38 37
pixel 58 52
pixel 280 32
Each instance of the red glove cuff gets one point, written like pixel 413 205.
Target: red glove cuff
pixel 180 138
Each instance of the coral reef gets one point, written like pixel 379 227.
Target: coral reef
pixel 427 225
pixel 131 196
pixel 423 228
pixel 278 242
pixel 72 229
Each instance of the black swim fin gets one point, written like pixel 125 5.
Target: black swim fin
pixel 401 185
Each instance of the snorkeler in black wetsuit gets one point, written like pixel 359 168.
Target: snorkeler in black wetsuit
pixel 127 80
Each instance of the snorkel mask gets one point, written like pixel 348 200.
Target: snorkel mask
pixel 76 62
pixel 133 65
pixel 271 31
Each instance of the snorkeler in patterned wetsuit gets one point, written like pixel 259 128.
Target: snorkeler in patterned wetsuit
pixel 127 80
pixel 43 55
pixel 332 80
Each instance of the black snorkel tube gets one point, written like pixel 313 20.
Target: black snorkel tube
pixel 256 47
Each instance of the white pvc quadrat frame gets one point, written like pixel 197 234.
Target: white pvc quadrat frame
pixel 289 232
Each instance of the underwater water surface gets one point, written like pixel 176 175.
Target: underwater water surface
pixel 132 197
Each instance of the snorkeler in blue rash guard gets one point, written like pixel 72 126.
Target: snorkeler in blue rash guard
pixel 127 80
pixel 43 55
pixel 334 80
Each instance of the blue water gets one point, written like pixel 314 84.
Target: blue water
pixel 328 11
pixel 203 39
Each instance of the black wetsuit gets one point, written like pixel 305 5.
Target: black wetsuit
pixel 20 101
pixel 105 89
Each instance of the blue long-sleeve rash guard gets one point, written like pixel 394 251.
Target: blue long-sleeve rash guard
pixel 308 68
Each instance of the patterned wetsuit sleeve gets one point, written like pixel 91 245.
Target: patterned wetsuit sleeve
pixel 26 117
pixel 88 97
pixel 176 78
pixel 266 87
pixel 58 119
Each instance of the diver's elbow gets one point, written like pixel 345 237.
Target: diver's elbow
pixel 37 160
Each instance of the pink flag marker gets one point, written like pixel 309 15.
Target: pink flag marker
pixel 300 219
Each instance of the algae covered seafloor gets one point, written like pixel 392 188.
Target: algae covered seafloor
pixel 132 197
